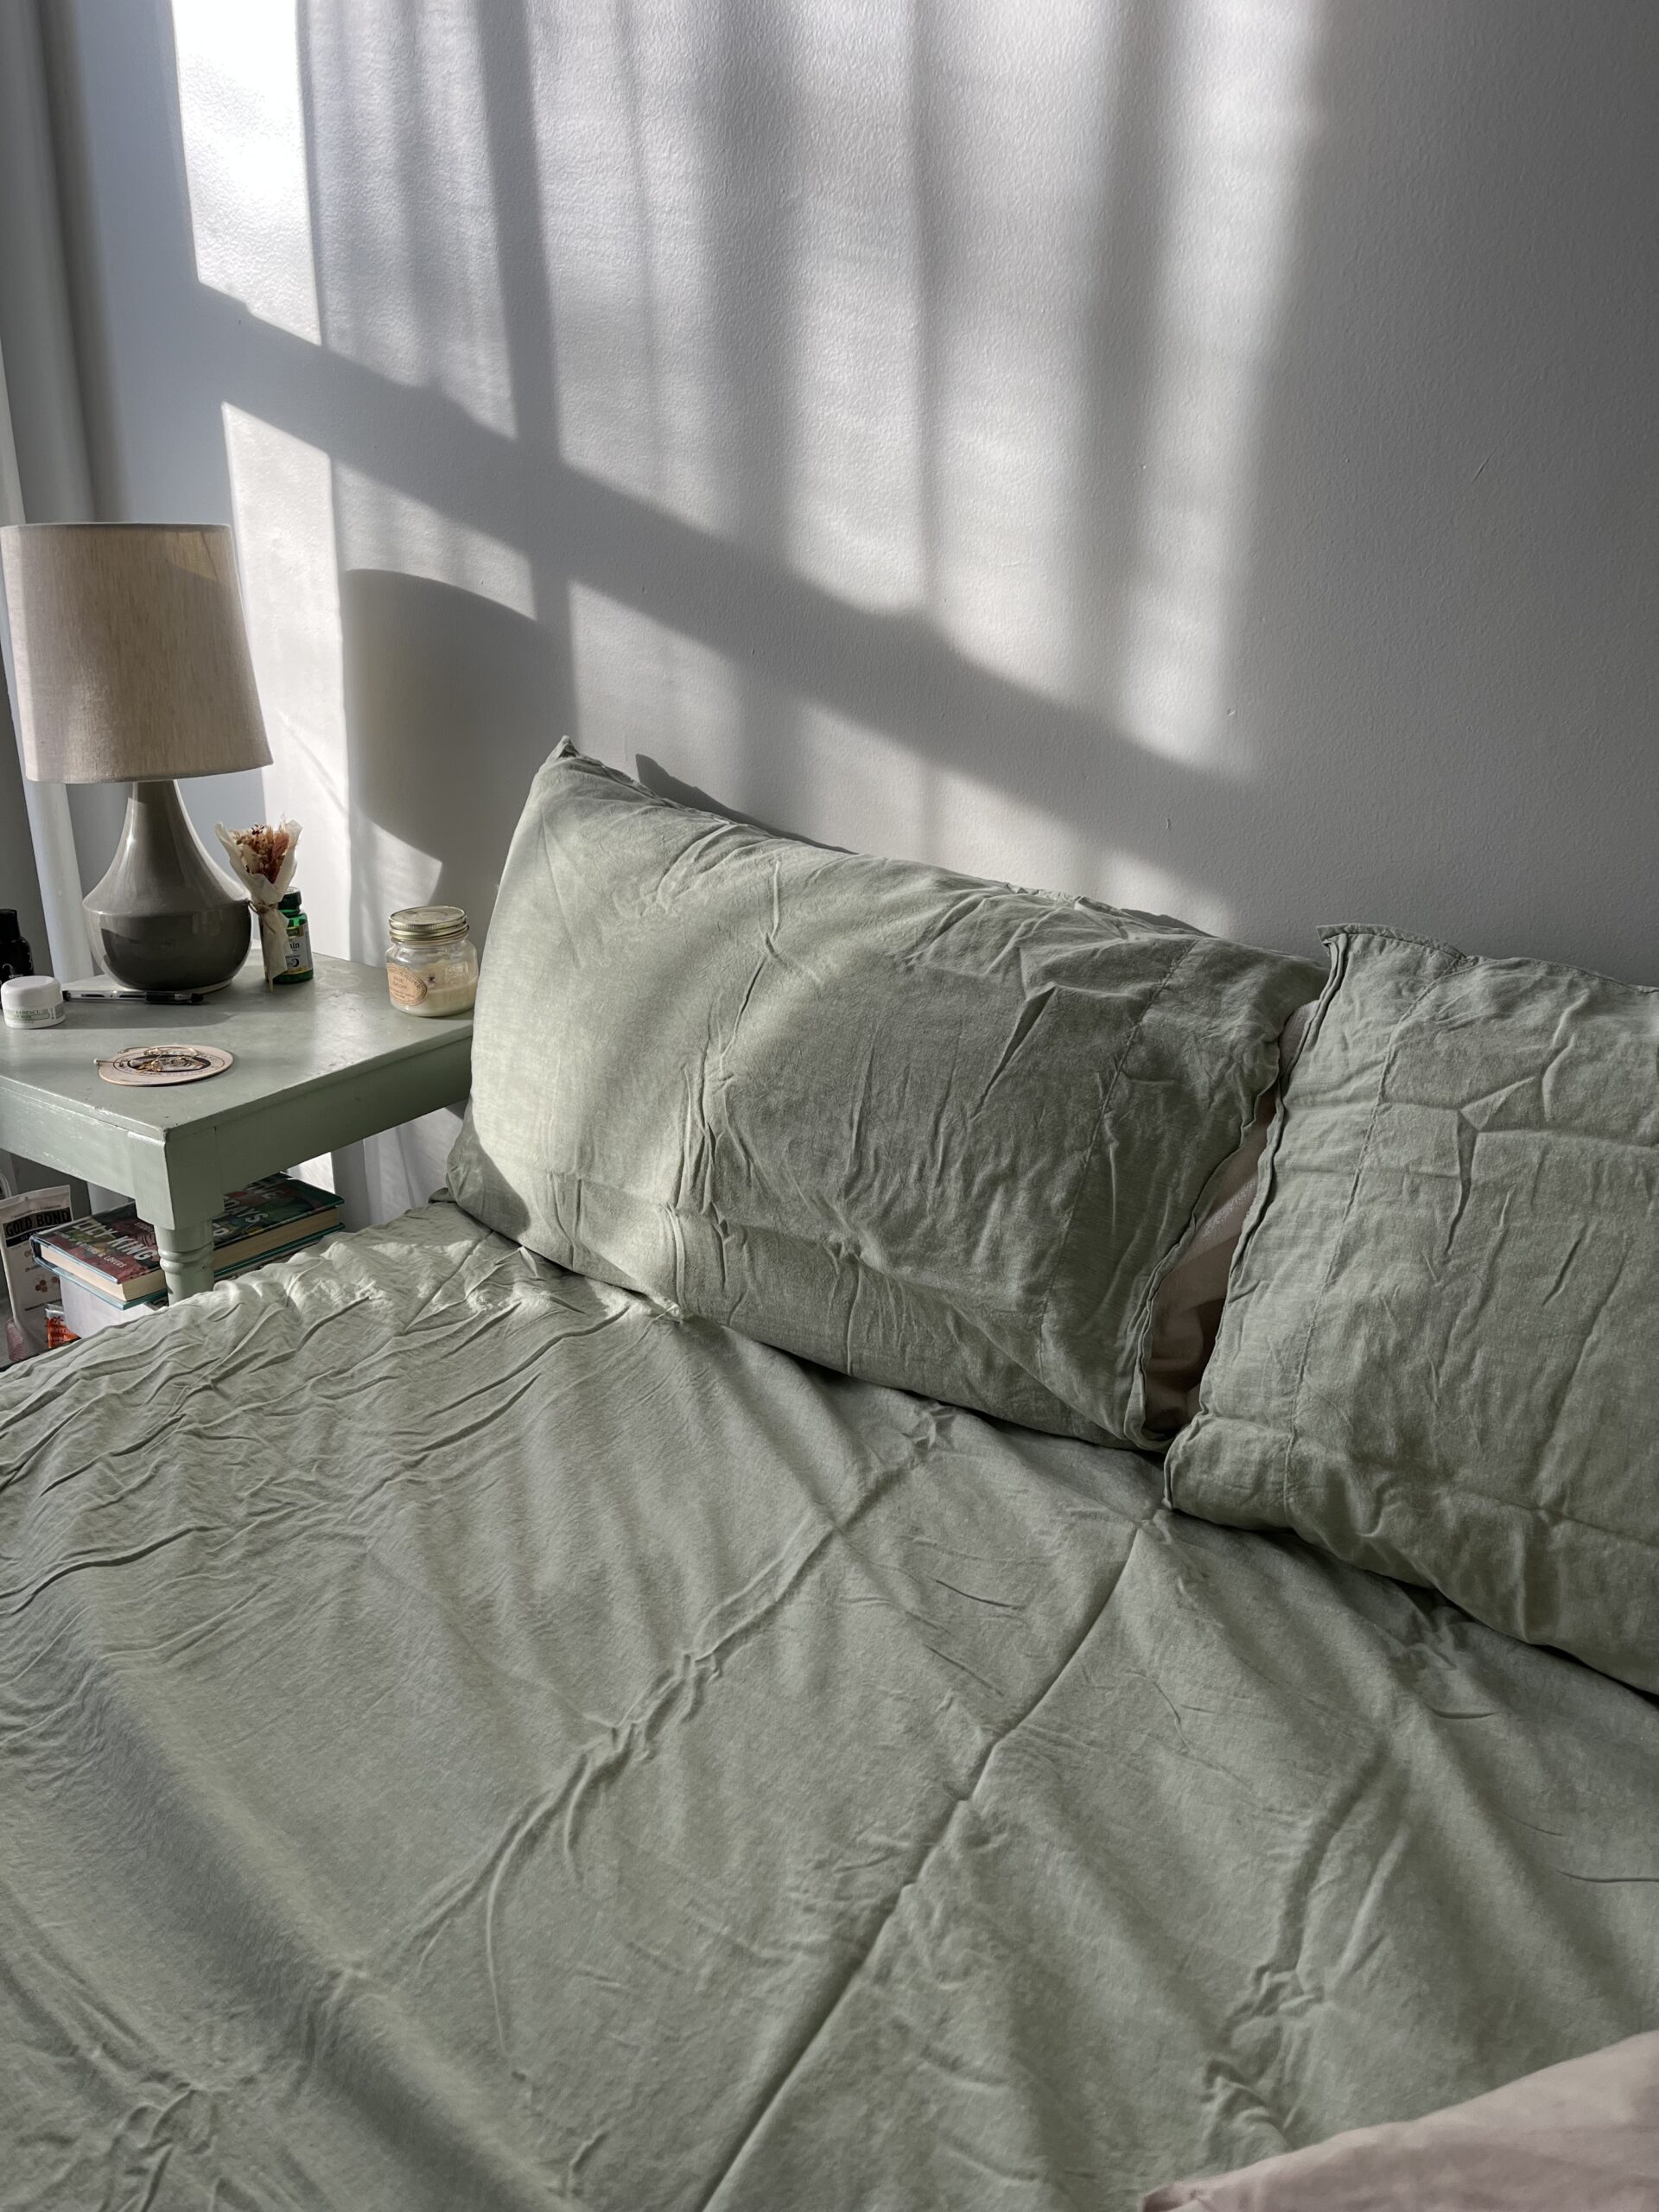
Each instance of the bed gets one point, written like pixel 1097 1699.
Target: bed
pixel 474 1735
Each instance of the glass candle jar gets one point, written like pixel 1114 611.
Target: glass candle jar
pixel 431 962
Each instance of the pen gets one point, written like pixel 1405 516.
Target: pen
pixel 151 998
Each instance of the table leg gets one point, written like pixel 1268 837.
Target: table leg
pixel 350 1167
pixel 186 1252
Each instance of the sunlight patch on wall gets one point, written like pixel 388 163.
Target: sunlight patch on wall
pixel 380 527
pixel 1126 880
pixel 642 688
pixel 889 802
pixel 855 503
pixel 1015 195
pixel 391 872
pixel 645 690
pixel 243 135
pixel 855 786
pixel 281 504
pixel 623 178
pixel 851 322
pixel 975 826
pixel 869 792
pixel 1240 120
pixel 408 250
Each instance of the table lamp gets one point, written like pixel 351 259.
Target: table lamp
pixel 132 666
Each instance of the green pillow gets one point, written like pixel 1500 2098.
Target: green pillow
pixel 1439 1351
pixel 928 1130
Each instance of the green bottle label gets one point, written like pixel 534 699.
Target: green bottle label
pixel 297 952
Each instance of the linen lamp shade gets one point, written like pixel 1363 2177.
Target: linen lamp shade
pixel 132 666
pixel 130 655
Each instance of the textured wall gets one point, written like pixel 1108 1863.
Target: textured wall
pixel 1200 452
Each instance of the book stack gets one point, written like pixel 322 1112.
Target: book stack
pixel 108 1269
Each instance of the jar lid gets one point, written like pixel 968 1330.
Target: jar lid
pixel 18 993
pixel 417 924
pixel 290 902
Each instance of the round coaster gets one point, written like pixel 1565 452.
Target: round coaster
pixel 140 1065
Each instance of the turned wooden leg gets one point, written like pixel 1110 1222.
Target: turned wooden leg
pixel 187 1256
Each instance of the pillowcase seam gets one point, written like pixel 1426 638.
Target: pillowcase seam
pixel 1480 959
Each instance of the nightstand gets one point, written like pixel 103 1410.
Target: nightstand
pixel 318 1066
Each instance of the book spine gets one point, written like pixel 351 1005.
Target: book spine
pixel 138 1290
pixel 122 1289
pixel 114 1254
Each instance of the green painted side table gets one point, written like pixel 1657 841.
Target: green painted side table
pixel 318 1066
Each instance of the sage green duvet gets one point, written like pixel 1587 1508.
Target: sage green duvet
pixel 470 1739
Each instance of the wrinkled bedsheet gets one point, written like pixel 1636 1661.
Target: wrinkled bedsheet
pixel 470 1739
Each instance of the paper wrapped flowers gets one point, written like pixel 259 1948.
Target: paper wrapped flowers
pixel 262 860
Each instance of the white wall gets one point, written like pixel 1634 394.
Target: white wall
pixel 1199 452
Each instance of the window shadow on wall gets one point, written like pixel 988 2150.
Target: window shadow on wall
pixel 874 524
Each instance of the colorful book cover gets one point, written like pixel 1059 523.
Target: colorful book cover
pixel 89 1307
pixel 115 1251
pixel 275 1202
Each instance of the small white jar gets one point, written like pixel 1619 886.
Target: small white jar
pixel 431 962
pixel 32 1001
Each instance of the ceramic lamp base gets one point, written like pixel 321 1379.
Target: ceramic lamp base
pixel 164 918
